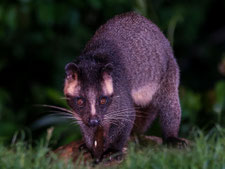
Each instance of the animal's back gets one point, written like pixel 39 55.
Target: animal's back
pixel 144 52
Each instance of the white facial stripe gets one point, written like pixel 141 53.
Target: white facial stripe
pixel 92 98
pixel 143 95
pixel 93 110
pixel 107 85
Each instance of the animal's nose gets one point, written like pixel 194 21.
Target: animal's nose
pixel 93 121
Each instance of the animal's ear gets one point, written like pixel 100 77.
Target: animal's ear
pixel 71 70
pixel 107 80
pixel 108 68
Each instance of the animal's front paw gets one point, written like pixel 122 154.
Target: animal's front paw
pixel 176 142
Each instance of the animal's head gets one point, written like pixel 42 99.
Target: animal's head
pixel 89 90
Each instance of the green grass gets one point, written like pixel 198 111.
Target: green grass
pixel 206 152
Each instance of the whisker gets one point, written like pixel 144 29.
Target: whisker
pixel 63 109
pixel 117 96
pixel 75 123
pixel 57 107
pixel 116 117
pixel 126 115
pixel 60 113
pixel 122 113
pixel 64 98
pixel 123 119
pixel 121 110
pixel 119 115
pixel 115 122
pixel 74 116
pixel 65 115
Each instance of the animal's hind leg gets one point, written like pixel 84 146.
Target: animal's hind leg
pixel 169 117
pixel 169 114
pixel 144 118
pixel 168 102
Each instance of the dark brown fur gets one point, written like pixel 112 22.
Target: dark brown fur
pixel 133 52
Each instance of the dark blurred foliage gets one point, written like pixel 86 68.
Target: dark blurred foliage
pixel 38 37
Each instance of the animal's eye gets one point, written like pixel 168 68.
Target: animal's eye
pixel 103 100
pixel 80 102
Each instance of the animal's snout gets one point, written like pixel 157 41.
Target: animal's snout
pixel 94 121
